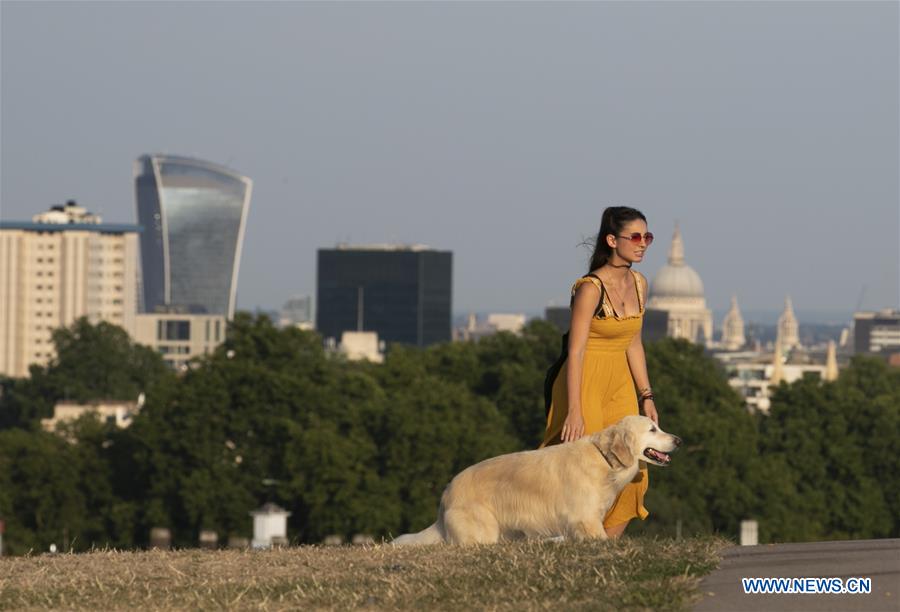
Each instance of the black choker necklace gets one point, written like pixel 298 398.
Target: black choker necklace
pixel 628 265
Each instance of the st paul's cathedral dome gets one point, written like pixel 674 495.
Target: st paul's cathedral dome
pixel 678 290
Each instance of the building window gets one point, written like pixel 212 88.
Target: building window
pixel 167 349
pixel 173 330
pixel 217 330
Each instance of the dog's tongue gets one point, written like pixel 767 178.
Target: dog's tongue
pixel 660 456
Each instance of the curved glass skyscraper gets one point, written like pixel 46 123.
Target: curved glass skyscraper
pixel 193 213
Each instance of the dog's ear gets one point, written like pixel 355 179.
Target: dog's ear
pixel 621 447
pixel 616 442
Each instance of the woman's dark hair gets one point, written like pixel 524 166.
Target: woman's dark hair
pixel 613 221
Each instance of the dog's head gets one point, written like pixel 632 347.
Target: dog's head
pixel 637 438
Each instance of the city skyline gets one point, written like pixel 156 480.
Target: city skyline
pixel 372 123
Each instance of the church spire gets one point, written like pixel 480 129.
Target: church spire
pixel 733 336
pixel 788 328
pixel 676 251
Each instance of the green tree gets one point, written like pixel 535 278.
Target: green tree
pixel 838 443
pixel 110 519
pixel 507 370
pixel 259 420
pixel 331 482
pixel 40 498
pixel 430 430
pixel 868 392
pixel 92 362
pixel 706 487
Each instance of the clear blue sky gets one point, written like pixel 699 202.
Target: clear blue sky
pixel 499 131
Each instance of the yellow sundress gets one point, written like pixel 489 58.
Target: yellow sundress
pixel 607 390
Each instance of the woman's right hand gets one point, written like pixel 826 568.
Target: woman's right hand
pixel 573 427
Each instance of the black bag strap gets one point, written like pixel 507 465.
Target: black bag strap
pixel 599 310
pixel 553 372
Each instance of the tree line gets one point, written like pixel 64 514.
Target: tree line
pixel 357 447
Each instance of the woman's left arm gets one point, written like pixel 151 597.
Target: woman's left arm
pixel 637 363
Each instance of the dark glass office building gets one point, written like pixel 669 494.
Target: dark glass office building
pixel 402 293
pixel 193 214
pixel 876 333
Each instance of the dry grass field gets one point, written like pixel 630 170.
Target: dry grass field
pixel 631 573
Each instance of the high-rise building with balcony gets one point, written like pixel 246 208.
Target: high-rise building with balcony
pixel 63 264
pixel 193 213
pixel 401 292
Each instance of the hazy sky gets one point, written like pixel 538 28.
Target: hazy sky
pixel 499 131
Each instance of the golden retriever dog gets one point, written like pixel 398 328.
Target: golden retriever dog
pixel 558 491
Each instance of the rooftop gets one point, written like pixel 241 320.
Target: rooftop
pixel 105 228
pixel 69 217
pixel 382 246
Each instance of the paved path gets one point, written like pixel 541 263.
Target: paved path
pixel 875 559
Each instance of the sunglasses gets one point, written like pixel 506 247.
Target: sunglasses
pixel 636 238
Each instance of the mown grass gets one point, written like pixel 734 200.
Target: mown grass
pixel 629 573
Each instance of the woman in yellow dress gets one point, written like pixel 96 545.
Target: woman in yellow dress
pixel 602 374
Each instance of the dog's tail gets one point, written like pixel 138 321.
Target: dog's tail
pixel 429 535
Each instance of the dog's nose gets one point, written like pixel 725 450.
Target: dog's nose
pixel 677 441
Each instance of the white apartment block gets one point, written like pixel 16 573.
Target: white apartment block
pixel 116 413
pixel 62 265
pixel 754 381
pixel 495 322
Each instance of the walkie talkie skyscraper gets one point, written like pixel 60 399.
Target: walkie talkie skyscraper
pixel 193 215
